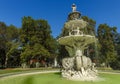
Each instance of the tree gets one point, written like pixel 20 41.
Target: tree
pixel 116 63
pixel 3 41
pixel 13 54
pixel 106 40
pixel 8 34
pixel 90 29
pixel 12 35
pixel 36 39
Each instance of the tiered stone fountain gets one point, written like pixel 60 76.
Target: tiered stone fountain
pixel 77 66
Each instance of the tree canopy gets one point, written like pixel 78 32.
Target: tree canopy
pixel 36 39
pixel 32 40
pixel 106 39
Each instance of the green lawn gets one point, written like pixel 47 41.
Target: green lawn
pixel 55 78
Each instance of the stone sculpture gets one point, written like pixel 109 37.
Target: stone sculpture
pixel 77 66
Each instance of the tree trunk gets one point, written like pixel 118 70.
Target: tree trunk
pixel 6 61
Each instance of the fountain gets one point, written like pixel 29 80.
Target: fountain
pixel 77 66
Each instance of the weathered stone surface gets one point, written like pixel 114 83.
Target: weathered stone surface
pixel 68 63
pixel 78 68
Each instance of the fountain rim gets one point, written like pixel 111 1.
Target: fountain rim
pixel 76 36
pixel 74 12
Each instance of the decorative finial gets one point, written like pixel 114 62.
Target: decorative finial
pixel 74 7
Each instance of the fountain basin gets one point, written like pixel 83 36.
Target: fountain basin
pixel 79 40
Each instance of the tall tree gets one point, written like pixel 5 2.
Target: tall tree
pixel 116 63
pixel 8 35
pixel 36 39
pixel 3 41
pixel 12 35
pixel 106 40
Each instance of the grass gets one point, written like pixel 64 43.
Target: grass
pixel 105 69
pixel 55 78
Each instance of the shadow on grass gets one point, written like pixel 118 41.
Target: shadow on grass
pixel 58 73
pixel 28 80
pixel 31 79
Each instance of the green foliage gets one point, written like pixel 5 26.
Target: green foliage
pixel 90 29
pixel 33 40
pixel 2 43
pixel 35 51
pixel 62 52
pixel 13 55
pixel 8 36
pixel 116 63
pixel 13 48
pixel 106 40
pixel 3 38
pixel 12 33
pixel 36 39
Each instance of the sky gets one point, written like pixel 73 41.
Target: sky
pixel 56 12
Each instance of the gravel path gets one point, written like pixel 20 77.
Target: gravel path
pixel 4 76
pixel 108 72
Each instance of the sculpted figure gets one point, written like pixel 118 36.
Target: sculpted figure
pixel 74 7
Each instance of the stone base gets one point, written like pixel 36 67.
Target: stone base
pixel 79 67
pixel 83 75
